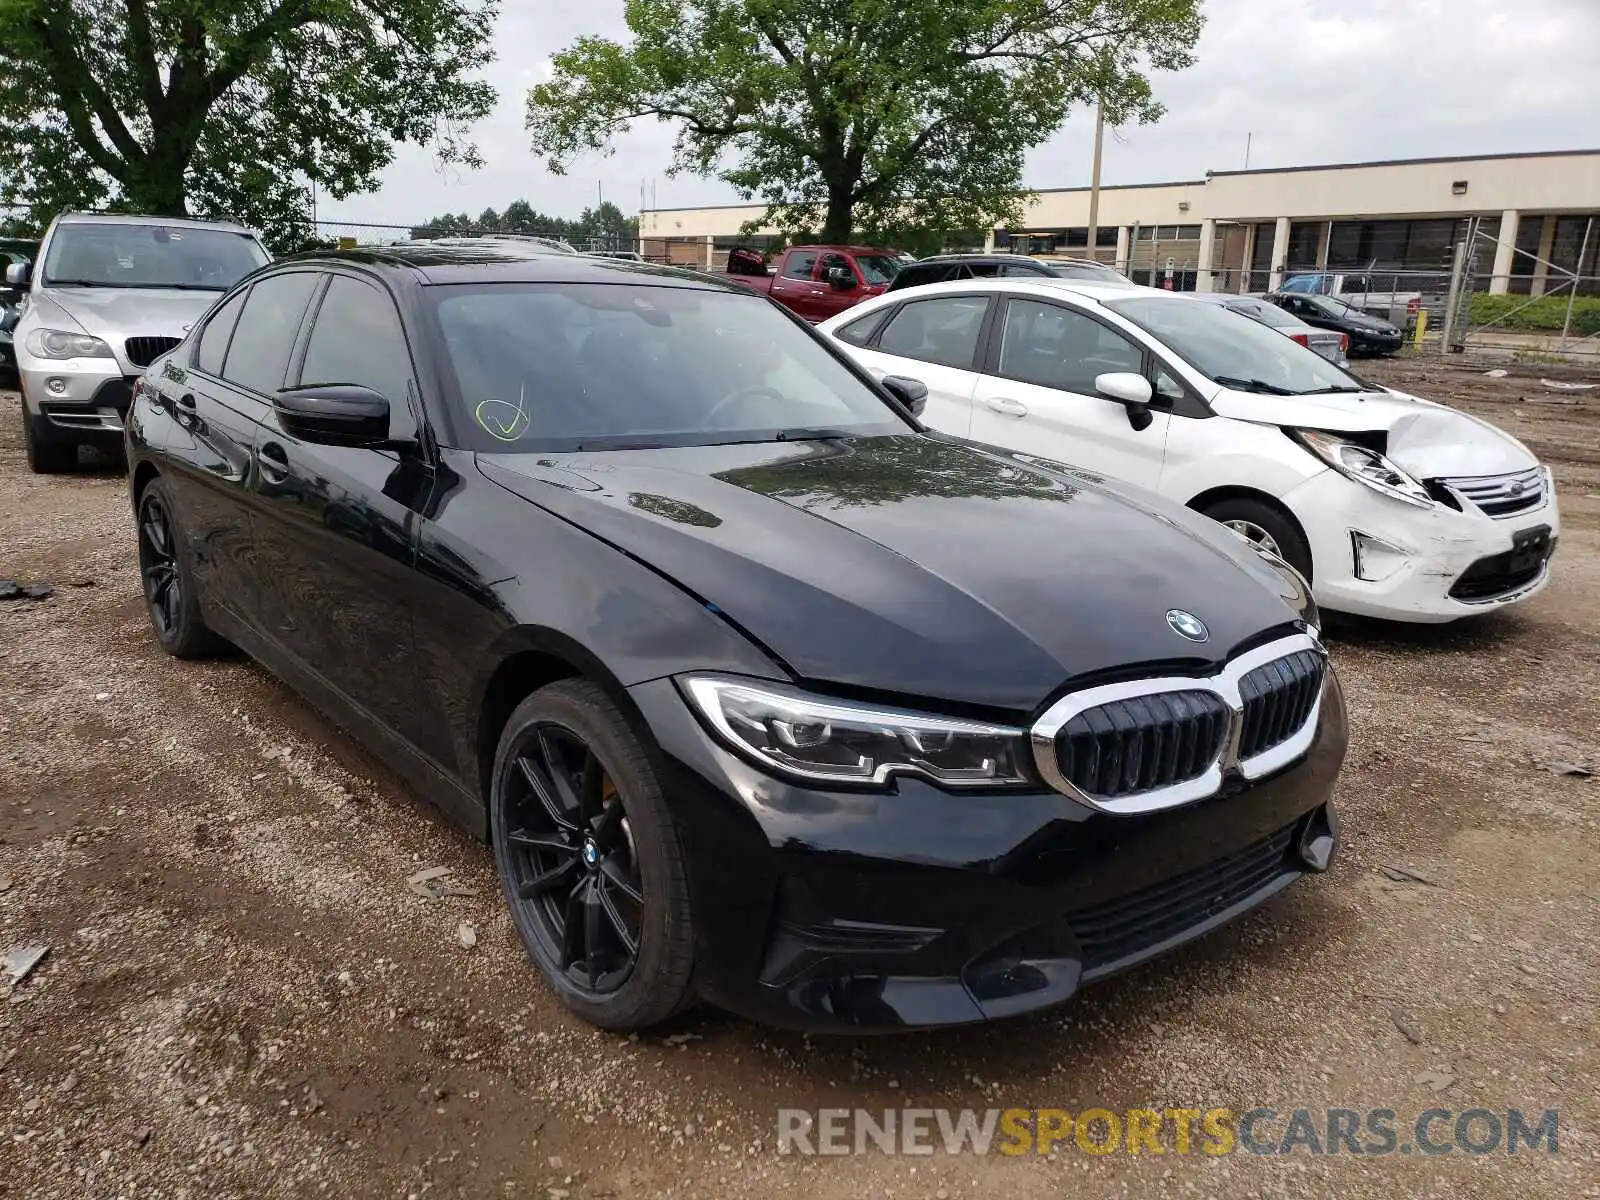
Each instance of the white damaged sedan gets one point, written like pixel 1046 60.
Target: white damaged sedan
pixel 1391 505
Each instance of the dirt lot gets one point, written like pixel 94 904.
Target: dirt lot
pixel 244 998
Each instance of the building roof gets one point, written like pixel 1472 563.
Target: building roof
pixel 1407 162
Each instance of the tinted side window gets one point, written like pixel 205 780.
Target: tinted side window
pixel 859 332
pixel 941 331
pixel 258 357
pixel 357 338
pixel 213 345
pixel 800 266
pixel 830 261
pixel 1061 348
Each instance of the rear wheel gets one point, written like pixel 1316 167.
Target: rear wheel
pixel 1262 525
pixel 47 455
pixel 591 859
pixel 165 570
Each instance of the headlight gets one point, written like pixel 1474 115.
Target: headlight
pixel 789 732
pixel 1299 595
pixel 59 343
pixel 1355 461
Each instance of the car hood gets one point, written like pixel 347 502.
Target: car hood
pixel 918 565
pixel 131 312
pixel 1426 439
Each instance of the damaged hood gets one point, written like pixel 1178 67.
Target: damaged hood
pixel 1426 439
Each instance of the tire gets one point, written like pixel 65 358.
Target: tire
pixel 602 792
pixel 166 574
pixel 46 455
pixel 1286 538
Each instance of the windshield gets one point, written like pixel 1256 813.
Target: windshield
pixel 118 254
pixel 1329 306
pixel 550 367
pixel 1233 349
pixel 879 268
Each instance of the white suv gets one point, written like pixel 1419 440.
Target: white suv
pixel 1392 506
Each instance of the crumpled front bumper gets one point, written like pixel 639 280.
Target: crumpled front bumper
pixel 1439 546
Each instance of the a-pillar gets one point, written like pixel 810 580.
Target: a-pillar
pixel 1505 253
pixel 1208 240
pixel 1280 252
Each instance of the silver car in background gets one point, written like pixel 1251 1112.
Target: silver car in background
pixel 1330 343
pixel 106 296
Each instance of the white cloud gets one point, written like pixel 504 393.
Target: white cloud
pixel 1309 81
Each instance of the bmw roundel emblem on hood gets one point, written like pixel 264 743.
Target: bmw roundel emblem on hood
pixel 1187 625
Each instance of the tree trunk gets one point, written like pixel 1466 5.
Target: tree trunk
pixel 839 222
pixel 157 184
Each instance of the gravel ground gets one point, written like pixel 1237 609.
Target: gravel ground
pixel 244 998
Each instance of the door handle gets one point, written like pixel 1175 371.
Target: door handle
pixel 185 413
pixel 274 462
pixel 1011 408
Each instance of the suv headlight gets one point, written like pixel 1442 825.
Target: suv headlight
pixel 789 732
pixel 61 344
pixel 1364 465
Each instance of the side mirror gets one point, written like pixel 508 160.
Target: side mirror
pixel 18 274
pixel 913 393
pixel 842 278
pixel 335 414
pixel 9 320
pixel 1124 386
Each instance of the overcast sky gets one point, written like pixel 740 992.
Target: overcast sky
pixel 1312 80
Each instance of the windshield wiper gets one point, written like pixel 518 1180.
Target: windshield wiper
pixel 1338 387
pixel 807 433
pixel 107 283
pixel 1252 385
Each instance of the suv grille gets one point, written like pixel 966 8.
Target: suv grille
pixel 1120 929
pixel 1278 699
pixel 1140 744
pixel 1501 496
pixel 142 351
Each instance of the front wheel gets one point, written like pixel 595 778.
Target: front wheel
pixel 591 859
pixel 1262 525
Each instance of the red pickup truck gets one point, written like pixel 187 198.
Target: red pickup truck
pixel 817 281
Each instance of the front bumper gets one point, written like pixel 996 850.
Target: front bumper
pixel 1440 547
pixel 82 400
pixel 916 907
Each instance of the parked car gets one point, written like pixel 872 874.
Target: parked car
pixel 1363 293
pixel 761 693
pixel 1368 335
pixel 109 295
pixel 818 281
pixel 1331 344
pixel 944 268
pixel 1392 506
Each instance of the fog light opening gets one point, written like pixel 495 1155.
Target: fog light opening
pixel 1375 559
pixel 1319 839
pixel 55 385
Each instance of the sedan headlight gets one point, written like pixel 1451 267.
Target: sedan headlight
pixel 1364 465
pixel 793 733
pixel 61 344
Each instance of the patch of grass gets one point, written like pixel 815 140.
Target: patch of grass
pixel 1544 315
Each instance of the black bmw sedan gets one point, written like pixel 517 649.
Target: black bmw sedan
pixel 761 693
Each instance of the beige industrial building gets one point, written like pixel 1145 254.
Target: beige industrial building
pixel 1242 230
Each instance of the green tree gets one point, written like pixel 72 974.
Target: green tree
pixel 886 118
pixel 230 107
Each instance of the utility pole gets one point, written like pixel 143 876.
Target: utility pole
pixel 1248 137
pixel 1094 182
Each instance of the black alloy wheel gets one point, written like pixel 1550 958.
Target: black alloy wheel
pixel 575 868
pixel 590 858
pixel 169 591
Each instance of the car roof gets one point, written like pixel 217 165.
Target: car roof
pixel 86 218
pixel 1044 285
pixel 479 260
pixel 976 256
